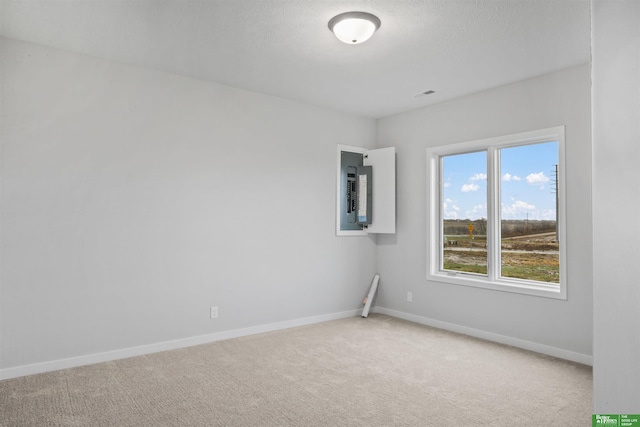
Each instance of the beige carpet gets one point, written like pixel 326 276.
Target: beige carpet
pixel 378 371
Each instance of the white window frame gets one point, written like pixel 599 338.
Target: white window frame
pixel 435 237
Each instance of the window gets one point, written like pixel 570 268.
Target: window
pixel 496 213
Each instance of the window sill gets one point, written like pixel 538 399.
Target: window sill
pixel 526 287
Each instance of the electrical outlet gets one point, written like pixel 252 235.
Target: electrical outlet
pixel 409 296
pixel 214 312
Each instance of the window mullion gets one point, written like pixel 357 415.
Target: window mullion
pixel 440 214
pixel 493 213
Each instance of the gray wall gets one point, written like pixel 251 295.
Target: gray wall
pixel 562 98
pixel 134 200
pixel 616 196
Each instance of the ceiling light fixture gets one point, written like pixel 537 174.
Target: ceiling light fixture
pixel 354 27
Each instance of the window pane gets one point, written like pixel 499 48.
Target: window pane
pixel 529 207
pixel 464 212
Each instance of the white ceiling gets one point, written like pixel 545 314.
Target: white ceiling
pixel 284 47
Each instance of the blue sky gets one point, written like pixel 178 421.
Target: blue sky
pixel 527 183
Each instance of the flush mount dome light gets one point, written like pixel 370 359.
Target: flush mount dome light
pixel 354 27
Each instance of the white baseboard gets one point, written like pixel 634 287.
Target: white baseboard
pixel 90 359
pixel 490 336
pixel 54 365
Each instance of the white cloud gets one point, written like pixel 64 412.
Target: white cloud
pixel 537 179
pixel 450 209
pixel 478 211
pixel 478 177
pixel 450 204
pixel 447 184
pixel 549 214
pixel 517 209
pixel 470 187
pixel 509 177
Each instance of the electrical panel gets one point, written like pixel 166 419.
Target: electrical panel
pixel 366 191
pixel 355 191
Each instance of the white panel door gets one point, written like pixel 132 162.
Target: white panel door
pixel 383 162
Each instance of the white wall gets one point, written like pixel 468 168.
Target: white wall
pixel 562 98
pixel 616 203
pixel 133 200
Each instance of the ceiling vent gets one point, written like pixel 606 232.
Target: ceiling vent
pixel 426 92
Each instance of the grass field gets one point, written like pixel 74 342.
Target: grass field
pixel 532 257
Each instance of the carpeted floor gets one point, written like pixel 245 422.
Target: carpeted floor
pixel 378 371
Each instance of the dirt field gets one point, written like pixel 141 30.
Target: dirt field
pixel 526 257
